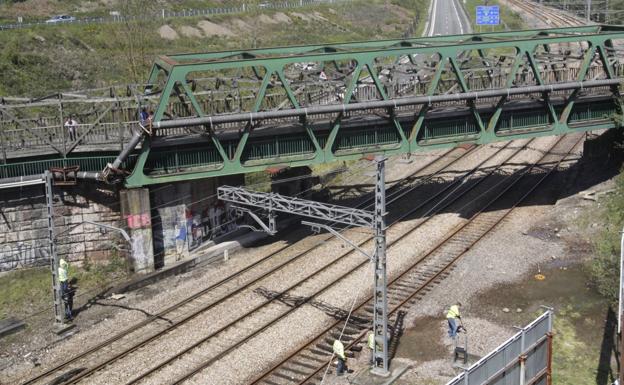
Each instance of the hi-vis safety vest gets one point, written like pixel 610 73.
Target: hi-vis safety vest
pixel 453 312
pixel 62 271
pixel 339 350
pixel 371 340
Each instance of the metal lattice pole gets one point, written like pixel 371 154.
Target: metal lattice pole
pixel 54 261
pixel 380 314
pixel 338 214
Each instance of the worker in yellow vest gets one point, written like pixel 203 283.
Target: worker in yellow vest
pixel 452 316
pixel 342 359
pixel 371 346
pixel 66 291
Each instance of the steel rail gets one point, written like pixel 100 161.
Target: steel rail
pixel 393 103
pixel 177 305
pixel 275 320
pixel 432 279
pixel 296 257
pixel 398 239
pixel 548 12
pixel 265 303
pixel 247 268
pixel 164 312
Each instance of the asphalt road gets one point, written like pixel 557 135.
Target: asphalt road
pixel 447 18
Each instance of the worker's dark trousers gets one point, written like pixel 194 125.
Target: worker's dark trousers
pixel 452 327
pixel 65 295
pixel 341 367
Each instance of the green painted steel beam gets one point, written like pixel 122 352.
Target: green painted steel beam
pixel 270 78
pixel 585 121
pixel 435 41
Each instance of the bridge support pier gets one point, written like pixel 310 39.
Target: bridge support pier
pixel 136 213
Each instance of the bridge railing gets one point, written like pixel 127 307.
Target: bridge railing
pixel 17 141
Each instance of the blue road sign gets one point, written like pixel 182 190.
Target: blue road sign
pixel 488 15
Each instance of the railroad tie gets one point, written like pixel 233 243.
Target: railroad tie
pixel 282 375
pixel 320 351
pixel 293 370
pixel 352 330
pixel 269 382
pixel 311 358
pixel 303 364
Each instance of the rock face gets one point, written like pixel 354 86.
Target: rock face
pixel 168 33
pixel 282 18
pixel 24 225
pixel 189 31
pixel 212 29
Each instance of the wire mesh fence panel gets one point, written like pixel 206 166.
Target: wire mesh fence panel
pixel 522 359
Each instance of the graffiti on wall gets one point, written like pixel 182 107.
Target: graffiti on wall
pixel 214 221
pixel 142 259
pixel 23 254
pixel 138 221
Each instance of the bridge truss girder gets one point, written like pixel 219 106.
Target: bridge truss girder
pixel 307 77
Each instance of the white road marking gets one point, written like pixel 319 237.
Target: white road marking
pixel 461 29
pixel 435 7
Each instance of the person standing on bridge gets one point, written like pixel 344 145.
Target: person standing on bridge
pixel 143 117
pixel 452 316
pixel 70 125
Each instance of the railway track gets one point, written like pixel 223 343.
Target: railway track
pixel 94 369
pixel 454 191
pixel 310 362
pixel 550 16
pixel 123 343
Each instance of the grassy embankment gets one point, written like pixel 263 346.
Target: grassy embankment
pixel 44 59
pixel 40 10
pixel 27 292
pixel 605 264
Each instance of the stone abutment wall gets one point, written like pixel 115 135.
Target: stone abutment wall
pixel 24 232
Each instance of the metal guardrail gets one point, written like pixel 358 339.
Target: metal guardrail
pixel 523 359
pixel 166 14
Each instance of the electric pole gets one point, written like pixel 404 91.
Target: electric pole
pixel 380 315
pixel 335 214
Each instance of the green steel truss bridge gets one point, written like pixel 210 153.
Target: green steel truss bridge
pixel 232 112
